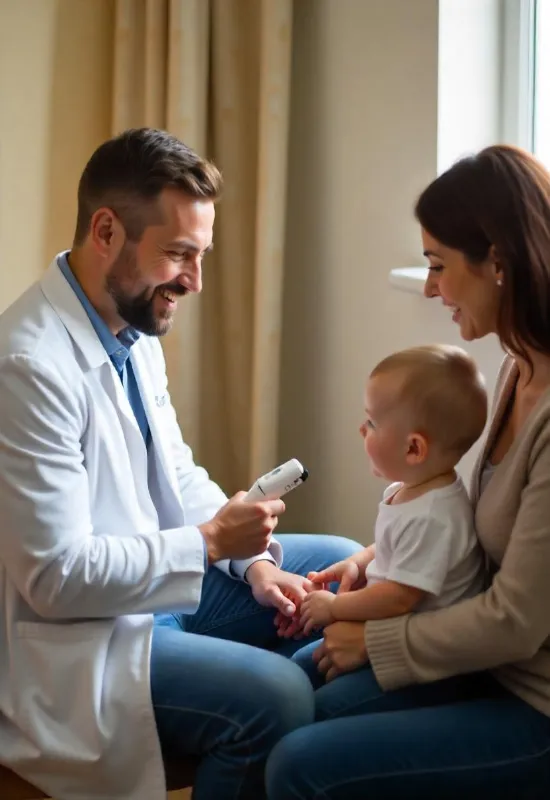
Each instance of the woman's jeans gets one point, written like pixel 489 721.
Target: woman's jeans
pixel 466 738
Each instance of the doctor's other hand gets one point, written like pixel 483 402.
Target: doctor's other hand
pixel 241 530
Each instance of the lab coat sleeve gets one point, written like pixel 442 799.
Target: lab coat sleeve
pixel 47 545
pixel 202 499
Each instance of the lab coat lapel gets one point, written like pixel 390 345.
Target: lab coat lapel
pixel 73 316
pixel 154 403
pixel 132 433
pixel 93 356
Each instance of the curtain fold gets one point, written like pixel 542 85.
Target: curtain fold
pixel 216 73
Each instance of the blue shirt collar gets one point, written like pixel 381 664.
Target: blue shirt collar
pixel 116 347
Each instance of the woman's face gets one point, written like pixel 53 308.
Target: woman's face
pixel 471 292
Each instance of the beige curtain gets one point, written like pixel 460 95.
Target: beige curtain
pixel 216 73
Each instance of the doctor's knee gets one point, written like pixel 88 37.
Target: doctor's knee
pixel 288 699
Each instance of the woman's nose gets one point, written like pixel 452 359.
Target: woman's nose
pixel 430 287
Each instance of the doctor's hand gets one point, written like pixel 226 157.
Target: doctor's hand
pixel 241 530
pixel 284 591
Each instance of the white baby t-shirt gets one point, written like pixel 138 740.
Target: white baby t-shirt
pixel 429 543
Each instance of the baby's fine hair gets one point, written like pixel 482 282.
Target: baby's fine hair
pixel 444 392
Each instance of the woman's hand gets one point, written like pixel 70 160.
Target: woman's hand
pixel 343 649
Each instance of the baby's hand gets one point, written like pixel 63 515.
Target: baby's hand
pixel 316 610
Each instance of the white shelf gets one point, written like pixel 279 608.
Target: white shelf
pixel 409 279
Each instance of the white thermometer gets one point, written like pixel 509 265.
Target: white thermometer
pixel 278 482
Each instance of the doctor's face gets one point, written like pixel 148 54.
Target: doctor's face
pixel 148 277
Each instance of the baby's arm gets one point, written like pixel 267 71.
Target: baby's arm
pixel 348 573
pixel 420 561
pixel 379 601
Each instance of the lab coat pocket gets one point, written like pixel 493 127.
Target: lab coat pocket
pixel 60 669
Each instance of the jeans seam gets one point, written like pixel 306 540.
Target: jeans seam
pixel 236 725
pixel 228 620
pixel 322 794
pixel 343 709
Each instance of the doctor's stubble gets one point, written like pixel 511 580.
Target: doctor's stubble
pixel 137 308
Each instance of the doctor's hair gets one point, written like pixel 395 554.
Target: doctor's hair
pixel 128 172
pixel 440 394
pixel 496 204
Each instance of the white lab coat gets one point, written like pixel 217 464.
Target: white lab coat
pixel 93 540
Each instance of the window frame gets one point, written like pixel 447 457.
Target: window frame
pixel 543 154
pixel 518 72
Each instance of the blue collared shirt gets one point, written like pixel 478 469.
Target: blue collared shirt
pixel 116 347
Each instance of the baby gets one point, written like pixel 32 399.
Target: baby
pixel 425 408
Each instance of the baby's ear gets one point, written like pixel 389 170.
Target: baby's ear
pixel 417 449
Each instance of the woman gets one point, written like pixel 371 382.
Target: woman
pixel 456 702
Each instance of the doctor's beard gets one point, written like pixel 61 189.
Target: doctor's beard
pixel 139 310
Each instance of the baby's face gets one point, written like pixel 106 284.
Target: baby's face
pixel 383 430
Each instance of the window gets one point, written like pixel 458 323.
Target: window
pixel 526 76
pixel 493 77
pixel 541 82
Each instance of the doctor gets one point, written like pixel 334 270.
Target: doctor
pixel 106 520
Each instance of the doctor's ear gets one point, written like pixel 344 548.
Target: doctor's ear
pixel 106 232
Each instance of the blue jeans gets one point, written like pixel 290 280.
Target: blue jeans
pixel 465 738
pixel 220 685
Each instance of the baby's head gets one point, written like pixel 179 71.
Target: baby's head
pixel 426 406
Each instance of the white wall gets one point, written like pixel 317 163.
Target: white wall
pixel 363 145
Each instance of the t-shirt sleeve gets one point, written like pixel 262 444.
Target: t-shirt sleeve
pixel 421 554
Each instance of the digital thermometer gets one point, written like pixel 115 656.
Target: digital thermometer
pixel 278 482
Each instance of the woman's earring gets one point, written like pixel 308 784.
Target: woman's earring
pixel 499 281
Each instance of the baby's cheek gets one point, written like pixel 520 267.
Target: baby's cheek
pixel 370 447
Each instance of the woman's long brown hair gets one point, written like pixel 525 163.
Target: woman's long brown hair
pixel 501 198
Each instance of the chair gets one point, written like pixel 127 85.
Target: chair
pixel 12 787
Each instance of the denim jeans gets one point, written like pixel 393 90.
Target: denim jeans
pixel 223 687
pixel 465 738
